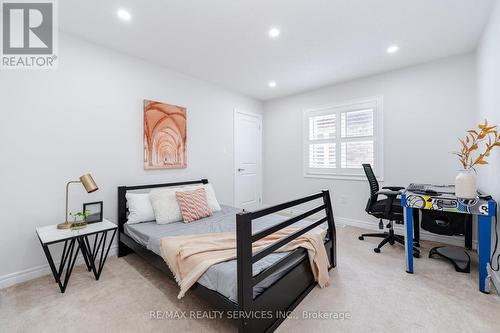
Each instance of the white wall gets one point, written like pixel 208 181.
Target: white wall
pixel 425 109
pixel 86 116
pixel 488 60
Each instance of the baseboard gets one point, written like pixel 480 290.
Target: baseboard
pixel 398 228
pixel 495 278
pixel 42 270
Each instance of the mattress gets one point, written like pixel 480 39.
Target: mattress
pixel 220 277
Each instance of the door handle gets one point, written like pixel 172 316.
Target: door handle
pixel 239 169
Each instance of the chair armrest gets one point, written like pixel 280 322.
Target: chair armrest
pixel 393 188
pixel 389 194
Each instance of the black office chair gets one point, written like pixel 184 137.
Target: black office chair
pixel 385 209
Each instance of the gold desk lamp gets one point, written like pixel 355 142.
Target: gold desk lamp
pixel 90 186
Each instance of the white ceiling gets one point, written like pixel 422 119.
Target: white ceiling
pixel 321 42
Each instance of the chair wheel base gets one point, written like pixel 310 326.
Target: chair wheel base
pixel 361 238
pixel 377 250
pixel 416 255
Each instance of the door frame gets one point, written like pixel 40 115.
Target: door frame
pixel 259 165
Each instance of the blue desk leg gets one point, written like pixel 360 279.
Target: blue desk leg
pixel 484 248
pixel 408 217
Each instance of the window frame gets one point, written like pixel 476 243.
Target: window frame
pixel 376 103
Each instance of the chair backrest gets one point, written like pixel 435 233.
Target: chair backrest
pixel 372 180
pixel 373 183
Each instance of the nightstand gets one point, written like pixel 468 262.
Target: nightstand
pixel 75 241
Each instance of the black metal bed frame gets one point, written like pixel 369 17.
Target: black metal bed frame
pixel 269 309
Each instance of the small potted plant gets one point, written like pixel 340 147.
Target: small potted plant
pixel 485 137
pixel 79 220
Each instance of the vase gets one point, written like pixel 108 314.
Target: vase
pixel 465 184
pixel 76 225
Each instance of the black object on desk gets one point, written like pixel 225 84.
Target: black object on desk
pixel 448 224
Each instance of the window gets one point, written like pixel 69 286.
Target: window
pixel 337 140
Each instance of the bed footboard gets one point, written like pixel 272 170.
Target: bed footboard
pixel 284 295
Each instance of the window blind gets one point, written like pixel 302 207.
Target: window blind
pixel 322 155
pixel 355 153
pixel 338 140
pixel 322 127
pixel 357 123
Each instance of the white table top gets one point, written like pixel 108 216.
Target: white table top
pixel 50 233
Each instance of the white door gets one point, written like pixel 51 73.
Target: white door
pixel 247 160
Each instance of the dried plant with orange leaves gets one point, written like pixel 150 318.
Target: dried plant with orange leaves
pixel 473 142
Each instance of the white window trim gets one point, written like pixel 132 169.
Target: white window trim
pixel 378 139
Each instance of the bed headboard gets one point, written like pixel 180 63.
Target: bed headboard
pixel 122 201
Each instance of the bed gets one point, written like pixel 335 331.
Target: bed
pixel 265 282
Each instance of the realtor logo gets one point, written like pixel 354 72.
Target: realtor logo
pixel 29 35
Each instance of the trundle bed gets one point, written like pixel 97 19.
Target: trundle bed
pixel 259 289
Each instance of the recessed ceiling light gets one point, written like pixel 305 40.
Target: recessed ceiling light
pixel 392 49
pixel 272 84
pixel 123 14
pixel 274 33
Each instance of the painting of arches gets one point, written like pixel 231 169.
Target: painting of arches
pixel 164 136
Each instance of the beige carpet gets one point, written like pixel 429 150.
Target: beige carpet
pixel 374 289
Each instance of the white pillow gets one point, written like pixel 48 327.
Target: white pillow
pixel 139 208
pixel 165 206
pixel 211 198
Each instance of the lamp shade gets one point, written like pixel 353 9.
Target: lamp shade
pixel 89 183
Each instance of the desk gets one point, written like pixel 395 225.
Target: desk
pixel 484 209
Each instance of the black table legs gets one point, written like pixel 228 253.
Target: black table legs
pixel 68 260
pixel 70 253
pixel 90 253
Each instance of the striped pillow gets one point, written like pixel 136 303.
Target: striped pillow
pixel 193 204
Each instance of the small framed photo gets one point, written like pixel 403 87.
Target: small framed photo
pixel 94 209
